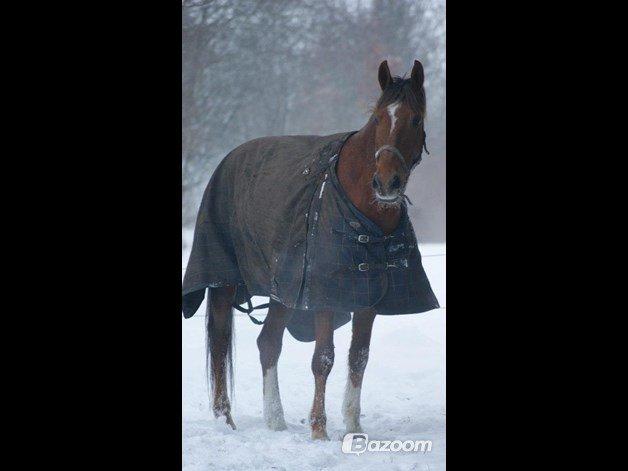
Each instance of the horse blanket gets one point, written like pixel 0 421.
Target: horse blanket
pixel 274 221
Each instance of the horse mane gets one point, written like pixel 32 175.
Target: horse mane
pixel 401 89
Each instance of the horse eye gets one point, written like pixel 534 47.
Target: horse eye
pixel 416 120
pixel 375 120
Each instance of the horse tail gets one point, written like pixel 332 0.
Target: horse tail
pixel 219 344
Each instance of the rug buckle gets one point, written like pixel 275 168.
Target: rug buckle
pixel 363 238
pixel 363 266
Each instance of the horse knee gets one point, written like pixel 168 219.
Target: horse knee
pixel 323 361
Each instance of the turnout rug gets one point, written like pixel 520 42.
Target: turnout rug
pixel 274 221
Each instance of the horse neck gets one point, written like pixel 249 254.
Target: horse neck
pixel 356 167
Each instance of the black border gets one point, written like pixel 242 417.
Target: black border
pixel 106 235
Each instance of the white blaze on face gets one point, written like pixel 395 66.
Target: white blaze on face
pixel 392 111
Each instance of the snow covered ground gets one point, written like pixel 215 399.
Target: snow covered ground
pixel 403 395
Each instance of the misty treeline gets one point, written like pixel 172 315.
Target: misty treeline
pixel 256 68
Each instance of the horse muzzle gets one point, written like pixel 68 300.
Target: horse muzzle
pixel 390 192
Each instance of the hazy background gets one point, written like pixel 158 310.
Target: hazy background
pixel 256 68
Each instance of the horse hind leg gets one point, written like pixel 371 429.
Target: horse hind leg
pixel 269 343
pixel 322 363
pixel 219 350
pixel 358 357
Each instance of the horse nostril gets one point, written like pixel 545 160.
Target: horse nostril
pixel 376 183
pixel 396 183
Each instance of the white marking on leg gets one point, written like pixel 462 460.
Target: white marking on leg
pixel 351 407
pixel 351 402
pixel 273 411
pixel 392 110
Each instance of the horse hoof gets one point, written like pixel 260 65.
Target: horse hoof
pixel 319 435
pixel 277 424
pixel 278 427
pixel 227 417
pixel 354 429
pixel 230 422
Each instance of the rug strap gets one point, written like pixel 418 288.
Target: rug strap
pixel 251 309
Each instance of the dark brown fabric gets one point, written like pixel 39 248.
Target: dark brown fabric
pixel 274 221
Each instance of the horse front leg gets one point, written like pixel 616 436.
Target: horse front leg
pixel 322 362
pixel 358 357
pixel 269 343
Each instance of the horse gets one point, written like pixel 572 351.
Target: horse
pixel 373 167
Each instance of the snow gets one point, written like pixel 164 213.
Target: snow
pixel 402 396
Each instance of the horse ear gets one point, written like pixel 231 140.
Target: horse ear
pixel 384 75
pixel 417 75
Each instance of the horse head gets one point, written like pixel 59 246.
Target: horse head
pixel 398 128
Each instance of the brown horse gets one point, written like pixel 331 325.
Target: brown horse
pixel 373 168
